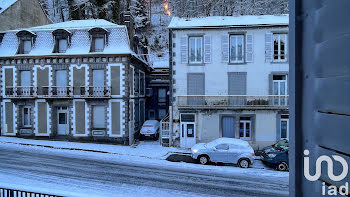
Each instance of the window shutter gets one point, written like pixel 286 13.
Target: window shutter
pixel 184 49
pixel 207 49
pixel 249 48
pixel 268 47
pixel 225 48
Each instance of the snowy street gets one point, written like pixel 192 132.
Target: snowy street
pixel 77 173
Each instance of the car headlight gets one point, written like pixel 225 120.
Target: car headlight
pixel 271 155
pixel 194 150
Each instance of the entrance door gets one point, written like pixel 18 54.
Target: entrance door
pixel 284 126
pixel 228 126
pixel 62 121
pixel 188 130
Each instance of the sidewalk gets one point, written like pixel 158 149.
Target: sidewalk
pixel 146 149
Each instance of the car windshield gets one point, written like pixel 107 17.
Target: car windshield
pixel 281 145
pixel 211 144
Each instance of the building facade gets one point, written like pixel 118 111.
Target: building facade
pixel 157 94
pixel 77 79
pixel 16 14
pixel 229 78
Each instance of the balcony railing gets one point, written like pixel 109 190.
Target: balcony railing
pixel 95 91
pixel 239 101
pixel 56 91
pixel 20 91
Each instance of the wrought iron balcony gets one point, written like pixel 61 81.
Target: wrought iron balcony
pixel 233 102
pixel 20 91
pixel 95 91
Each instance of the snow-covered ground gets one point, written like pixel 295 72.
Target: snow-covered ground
pixel 148 155
pixel 147 149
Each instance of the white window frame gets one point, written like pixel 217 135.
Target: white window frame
pixel 245 122
pixel 287 120
pixel 59 45
pixel 236 36
pixel 29 116
pixel 195 47
pixel 103 44
pixel 279 38
pixel 159 98
pixel 30 46
pixel 280 99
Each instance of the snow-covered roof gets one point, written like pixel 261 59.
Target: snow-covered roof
pixel 4 4
pixel 77 24
pixel 228 21
pixel 118 39
pixel 225 140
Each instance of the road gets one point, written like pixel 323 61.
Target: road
pixel 91 176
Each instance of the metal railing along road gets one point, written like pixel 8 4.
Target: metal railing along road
pixel 5 192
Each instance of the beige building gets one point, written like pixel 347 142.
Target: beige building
pixel 77 79
pixel 16 14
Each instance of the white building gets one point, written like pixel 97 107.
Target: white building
pixel 229 78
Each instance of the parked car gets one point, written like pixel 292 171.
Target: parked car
pixel 150 128
pixel 276 155
pixel 224 150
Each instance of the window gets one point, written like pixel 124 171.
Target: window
pixel 26 40
pixel 195 49
pixel 62 45
pixel 236 48
pixel 26 116
pixel 162 95
pixel 188 118
pixel 284 126
pixel 222 147
pixel 280 89
pixel 25 81
pixel 99 44
pixel 98 116
pixel 151 115
pixel 27 46
pixel 161 113
pixel 245 128
pixel 142 83
pixel 98 39
pixel 280 47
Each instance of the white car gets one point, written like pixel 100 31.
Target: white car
pixel 224 150
pixel 150 128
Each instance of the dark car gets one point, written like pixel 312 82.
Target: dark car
pixel 276 155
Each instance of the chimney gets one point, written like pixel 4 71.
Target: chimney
pixel 128 20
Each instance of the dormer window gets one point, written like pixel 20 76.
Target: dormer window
pixel 98 39
pixel 62 40
pixel 27 46
pixel 1 37
pixel 26 40
pixel 62 45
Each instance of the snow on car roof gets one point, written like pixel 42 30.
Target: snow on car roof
pixel 225 140
pixel 224 21
pixel 4 4
pixel 151 122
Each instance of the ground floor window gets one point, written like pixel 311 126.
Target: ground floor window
pixel 245 128
pixel 161 113
pixel 98 116
pixel 151 115
pixel 284 126
pixel 26 120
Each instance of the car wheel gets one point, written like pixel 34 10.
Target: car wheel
pixel 141 138
pixel 203 159
pixel 283 166
pixel 243 163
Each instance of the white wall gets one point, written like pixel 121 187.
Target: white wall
pixel 216 77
